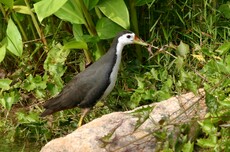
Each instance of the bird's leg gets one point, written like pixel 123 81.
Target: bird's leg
pixel 84 112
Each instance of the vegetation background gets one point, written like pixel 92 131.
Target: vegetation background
pixel 43 43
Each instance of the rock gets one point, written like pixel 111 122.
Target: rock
pixel 130 131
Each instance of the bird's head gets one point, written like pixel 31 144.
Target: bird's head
pixel 127 37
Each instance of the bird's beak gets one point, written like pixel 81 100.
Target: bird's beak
pixel 139 41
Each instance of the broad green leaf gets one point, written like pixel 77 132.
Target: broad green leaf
pixel 206 143
pixel 46 8
pixel 107 29
pixel 225 10
pixel 179 62
pixel 224 48
pixel 182 49
pixel 22 9
pixel 78 32
pixel 2 52
pixel 75 45
pixel 116 11
pixel 14 39
pixel 8 99
pixel 8 3
pixel 71 13
pixel 5 84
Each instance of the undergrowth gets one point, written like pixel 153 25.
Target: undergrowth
pixel 41 50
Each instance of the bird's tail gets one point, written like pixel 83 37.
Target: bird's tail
pixel 52 106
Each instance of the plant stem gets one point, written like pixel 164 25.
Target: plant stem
pixel 3 11
pixel 90 26
pixel 89 22
pixel 39 31
pixel 134 22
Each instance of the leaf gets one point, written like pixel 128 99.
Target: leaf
pixel 46 8
pixel 134 100
pixel 179 62
pixel 154 74
pixel 206 143
pixel 222 67
pixel 211 102
pixel 32 83
pixel 199 57
pixel 71 13
pixel 24 118
pixel 182 49
pixel 75 45
pixel 107 29
pixel 22 9
pixel 2 52
pixel 8 99
pixel 55 64
pixel 53 89
pixel 208 127
pixel 188 147
pixel 77 32
pixel 116 11
pixel 37 84
pixel 225 10
pixel 211 131
pixel 5 84
pixel 40 93
pixel 8 3
pixel 14 39
pixel 225 102
pixel 224 48
pixel 142 114
pixel 192 86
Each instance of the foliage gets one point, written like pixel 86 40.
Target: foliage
pixel 44 42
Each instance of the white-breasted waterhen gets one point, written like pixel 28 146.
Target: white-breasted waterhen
pixel 95 82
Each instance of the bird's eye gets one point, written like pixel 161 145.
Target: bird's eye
pixel 128 36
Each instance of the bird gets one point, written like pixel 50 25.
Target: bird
pixel 95 82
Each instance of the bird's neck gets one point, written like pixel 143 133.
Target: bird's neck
pixel 119 49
